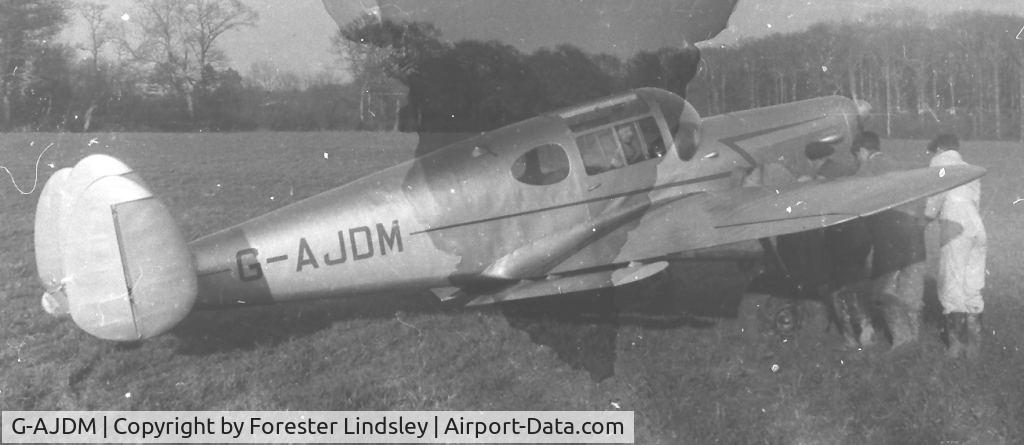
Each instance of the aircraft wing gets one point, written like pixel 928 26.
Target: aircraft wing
pixel 703 220
pixel 844 198
pixel 694 221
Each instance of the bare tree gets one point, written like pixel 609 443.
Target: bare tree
pixel 99 30
pixel 177 39
pixel 269 77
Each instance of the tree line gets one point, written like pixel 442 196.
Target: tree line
pixel 962 72
pixel 922 74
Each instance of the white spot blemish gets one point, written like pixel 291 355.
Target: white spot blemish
pixel 93 141
pixel 1019 199
pixel 942 172
pixel 616 405
pixel 326 156
pixel 789 209
pixel 128 395
pixel 824 69
pixel 271 198
pixel 126 17
pixel 769 25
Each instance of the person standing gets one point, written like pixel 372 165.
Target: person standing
pixel 847 248
pixel 962 253
pixel 898 251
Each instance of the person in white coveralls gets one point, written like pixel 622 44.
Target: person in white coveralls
pixel 962 256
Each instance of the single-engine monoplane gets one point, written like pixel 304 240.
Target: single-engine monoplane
pixel 593 196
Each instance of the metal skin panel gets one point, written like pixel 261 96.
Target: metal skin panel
pixel 49 256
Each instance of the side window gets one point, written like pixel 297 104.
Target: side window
pixel 544 165
pixel 631 142
pixel 600 151
pixel 621 145
pixel 652 136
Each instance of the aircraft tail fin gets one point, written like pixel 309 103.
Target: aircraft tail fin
pixel 110 254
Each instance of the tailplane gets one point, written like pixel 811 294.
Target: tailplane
pixel 109 253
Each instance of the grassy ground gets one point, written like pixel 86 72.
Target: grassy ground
pixel 679 359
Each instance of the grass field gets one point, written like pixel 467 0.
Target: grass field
pixel 678 359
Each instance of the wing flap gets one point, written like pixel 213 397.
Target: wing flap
pixel 575 283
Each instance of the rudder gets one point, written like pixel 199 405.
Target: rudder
pixel 111 255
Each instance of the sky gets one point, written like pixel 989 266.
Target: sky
pixel 296 35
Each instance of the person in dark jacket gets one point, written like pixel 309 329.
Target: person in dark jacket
pixel 898 252
pixel 847 247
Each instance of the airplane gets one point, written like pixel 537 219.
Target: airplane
pixel 593 196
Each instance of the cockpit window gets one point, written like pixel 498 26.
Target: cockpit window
pixel 620 145
pixel 683 123
pixel 544 165
pixel 655 144
pixel 604 113
pixel 600 151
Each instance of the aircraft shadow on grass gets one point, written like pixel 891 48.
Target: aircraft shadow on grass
pixel 581 328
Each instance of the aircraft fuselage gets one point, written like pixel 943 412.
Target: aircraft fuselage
pixel 514 203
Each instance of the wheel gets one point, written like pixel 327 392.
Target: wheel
pixel 781 316
pixel 765 313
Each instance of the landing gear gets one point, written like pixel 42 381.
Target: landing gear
pixel 777 302
pixel 767 313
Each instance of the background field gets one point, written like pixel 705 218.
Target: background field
pixel 675 353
